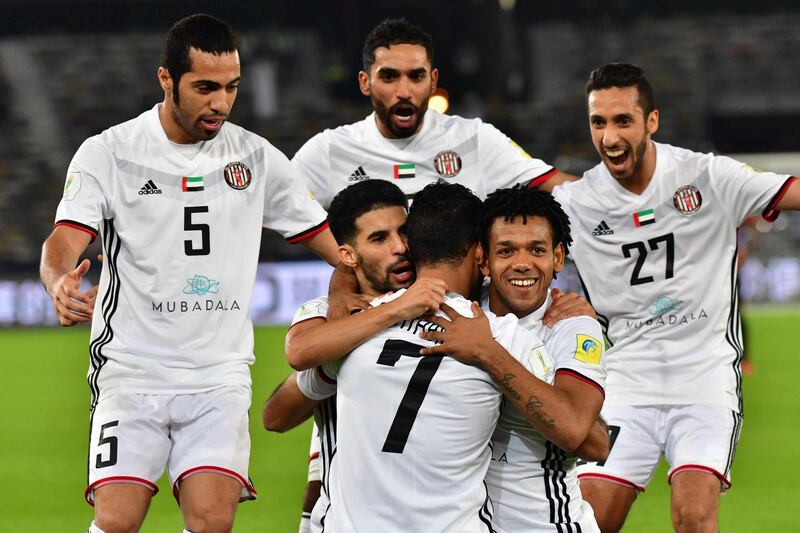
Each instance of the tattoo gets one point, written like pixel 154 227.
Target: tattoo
pixel 506 384
pixel 533 406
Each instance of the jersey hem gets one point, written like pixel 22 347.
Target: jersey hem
pixel 537 181
pixel 577 375
pixel 325 377
pixel 307 234
pixel 612 479
pixel 726 483
pixel 89 492
pixel 770 214
pixel 251 491
pixel 77 225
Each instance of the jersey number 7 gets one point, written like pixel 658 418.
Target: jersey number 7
pixel 415 393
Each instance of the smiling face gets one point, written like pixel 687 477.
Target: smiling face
pixel 400 83
pixel 621 135
pixel 379 253
pixel 206 94
pixel 521 262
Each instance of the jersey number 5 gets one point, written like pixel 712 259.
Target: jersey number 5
pixel 204 229
pixel 415 393
pixel 627 250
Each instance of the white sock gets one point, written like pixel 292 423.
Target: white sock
pixel 305 524
pixel 94 529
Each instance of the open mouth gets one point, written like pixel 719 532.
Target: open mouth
pixel 212 124
pixel 523 283
pixel 616 156
pixel 404 114
pixel 401 272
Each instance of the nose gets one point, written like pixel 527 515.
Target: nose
pixel 610 136
pixel 404 88
pixel 219 102
pixel 399 246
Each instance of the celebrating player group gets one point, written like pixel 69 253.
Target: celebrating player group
pixel 453 390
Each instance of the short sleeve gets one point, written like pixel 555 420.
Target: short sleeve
pixel 84 203
pixel 316 308
pixel 289 207
pixel 578 349
pixel 505 164
pixel 313 165
pixel 317 383
pixel 746 190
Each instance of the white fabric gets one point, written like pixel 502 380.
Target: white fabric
pixel 167 321
pixel 489 160
pixel 428 477
pixel 314 470
pixel 700 436
pixel 532 483
pixel 674 332
pixel 94 529
pixel 136 436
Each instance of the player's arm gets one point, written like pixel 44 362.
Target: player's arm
pixel 62 279
pixel 287 406
pixel 324 245
pixel 317 341
pixel 791 197
pixel 597 444
pixel 343 293
pixel 556 179
pixel 563 414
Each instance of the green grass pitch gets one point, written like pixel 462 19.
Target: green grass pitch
pixel 44 401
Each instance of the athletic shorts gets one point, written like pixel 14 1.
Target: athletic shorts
pixel 700 437
pixel 314 470
pixel 135 436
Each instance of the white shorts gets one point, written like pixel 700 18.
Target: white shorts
pixel 692 437
pixel 314 471
pixel 135 436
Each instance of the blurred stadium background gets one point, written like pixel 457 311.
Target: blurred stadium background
pixel 727 80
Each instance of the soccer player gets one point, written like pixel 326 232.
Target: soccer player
pixel 403 140
pixel 532 481
pixel 661 220
pixel 178 196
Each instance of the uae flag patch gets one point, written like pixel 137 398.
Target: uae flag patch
pixel 643 218
pixel 407 170
pixel 192 183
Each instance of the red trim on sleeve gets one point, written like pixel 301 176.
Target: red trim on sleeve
pixel 701 468
pixel 770 214
pixel 313 456
pixel 537 181
pixel 251 491
pixel 611 479
pixel 327 379
pixel 577 375
pixel 77 225
pixel 89 492
pixel 300 237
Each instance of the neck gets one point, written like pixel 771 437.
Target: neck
pixel 639 181
pixel 458 279
pixel 173 130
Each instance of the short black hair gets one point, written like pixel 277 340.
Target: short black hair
pixel 623 75
pixel 394 31
pixel 442 224
pixel 357 199
pixel 202 32
pixel 521 201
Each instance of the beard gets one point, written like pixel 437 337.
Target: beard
pixel 385 116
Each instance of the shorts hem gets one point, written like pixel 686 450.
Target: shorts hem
pixel 89 492
pixel 251 491
pixel 612 479
pixel 726 483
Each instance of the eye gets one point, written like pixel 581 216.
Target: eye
pixel 504 252
pixel 597 122
pixel 232 88
pixel 387 76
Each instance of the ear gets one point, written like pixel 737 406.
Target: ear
pixel 363 83
pixel 347 255
pixel 558 260
pixel 652 122
pixel 164 79
pixel 483 261
pixel 434 79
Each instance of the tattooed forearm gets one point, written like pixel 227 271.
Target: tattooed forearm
pixel 533 406
pixel 506 384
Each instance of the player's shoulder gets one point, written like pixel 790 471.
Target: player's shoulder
pixel 578 325
pixel 356 131
pixel 439 122
pixel 315 308
pixel 242 137
pixel 462 306
pixel 120 135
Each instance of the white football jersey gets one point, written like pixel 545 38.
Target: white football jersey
pixel 413 432
pixel 459 150
pixel 181 233
pixel 532 483
pixel 660 270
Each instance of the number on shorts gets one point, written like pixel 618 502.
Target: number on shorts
pixel 415 393
pixel 112 446
pixel 613 433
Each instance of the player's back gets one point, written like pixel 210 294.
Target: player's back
pixel 412 436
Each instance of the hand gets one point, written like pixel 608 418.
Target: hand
pixel 71 305
pixel 566 305
pixel 424 296
pixel 468 340
pixel 343 304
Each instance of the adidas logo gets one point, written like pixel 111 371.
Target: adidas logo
pixel 150 188
pixel 358 175
pixel 602 229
